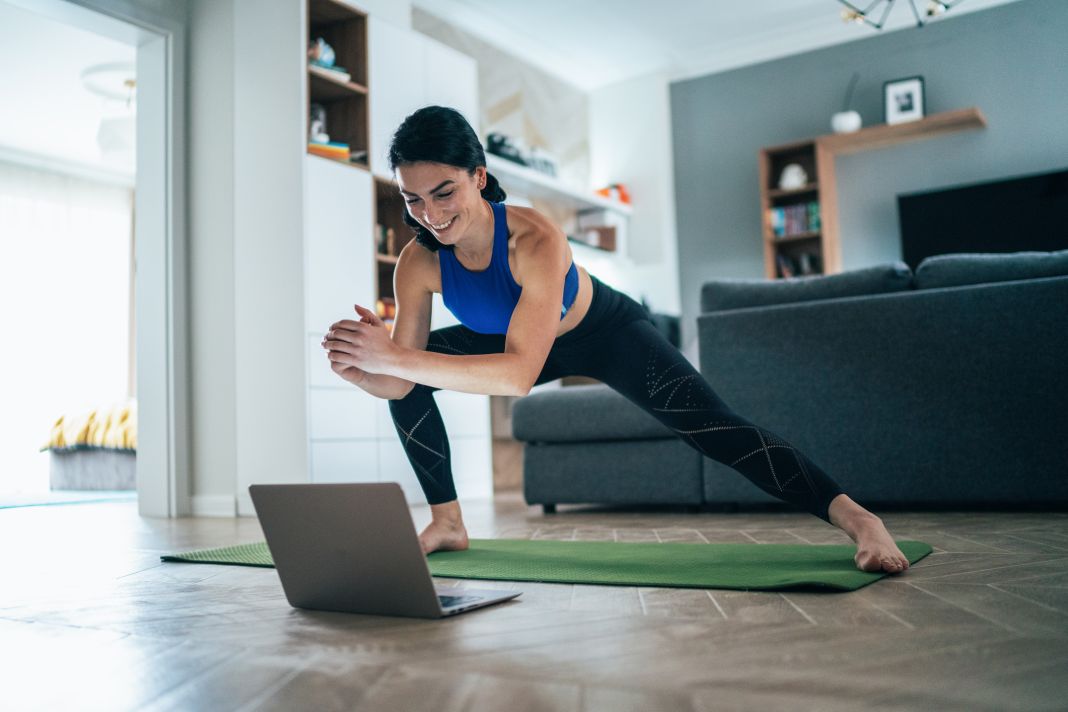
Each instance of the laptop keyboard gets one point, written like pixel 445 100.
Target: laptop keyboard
pixel 447 601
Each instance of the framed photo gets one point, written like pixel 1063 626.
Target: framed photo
pixel 903 100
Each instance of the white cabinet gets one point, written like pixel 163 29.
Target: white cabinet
pixel 409 70
pixel 345 461
pixel 345 412
pixel 351 434
pixel 338 272
pixel 395 68
pixel 338 248
pixel 450 78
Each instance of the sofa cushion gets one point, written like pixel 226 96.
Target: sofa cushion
pixel 976 268
pixel 723 294
pixel 582 413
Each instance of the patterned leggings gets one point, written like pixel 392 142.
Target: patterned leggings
pixel 617 344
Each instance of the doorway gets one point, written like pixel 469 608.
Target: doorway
pixel 95 226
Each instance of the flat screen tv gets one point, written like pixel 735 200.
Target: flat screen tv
pixel 1011 215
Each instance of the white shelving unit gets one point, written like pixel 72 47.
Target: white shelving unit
pixel 351 433
pixel 537 185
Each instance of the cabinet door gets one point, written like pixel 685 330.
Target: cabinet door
pixel 339 252
pixel 338 413
pixel 472 467
pixel 349 461
pixel 451 79
pixel 393 466
pixel 464 414
pixel 395 58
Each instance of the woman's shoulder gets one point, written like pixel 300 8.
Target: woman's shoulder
pixel 537 240
pixel 419 265
pixel 528 223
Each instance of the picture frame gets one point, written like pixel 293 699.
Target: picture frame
pixel 903 100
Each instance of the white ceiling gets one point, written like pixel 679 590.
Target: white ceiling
pixel 592 44
pixel 46 110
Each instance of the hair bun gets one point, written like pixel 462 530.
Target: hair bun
pixel 493 191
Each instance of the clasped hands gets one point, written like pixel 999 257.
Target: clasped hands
pixel 356 348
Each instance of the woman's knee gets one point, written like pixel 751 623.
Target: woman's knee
pixel 416 395
pixel 404 395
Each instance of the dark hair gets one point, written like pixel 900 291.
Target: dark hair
pixel 441 135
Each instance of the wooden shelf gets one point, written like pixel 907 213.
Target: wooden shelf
pixel 386 259
pixel 534 184
pixel 884 135
pixel 797 237
pixel 326 12
pixel 355 164
pixel 789 192
pixel 817 157
pixel 325 85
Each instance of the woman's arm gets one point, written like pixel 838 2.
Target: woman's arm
pixel 541 256
pixel 377 384
pixel 411 325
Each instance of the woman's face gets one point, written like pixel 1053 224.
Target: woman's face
pixel 444 199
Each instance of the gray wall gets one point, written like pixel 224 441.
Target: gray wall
pixel 1010 61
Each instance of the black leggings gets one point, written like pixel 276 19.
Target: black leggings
pixel 617 344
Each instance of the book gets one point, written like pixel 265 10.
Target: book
pixel 785 265
pixel 327 151
pixel 335 72
pixel 777 219
pixel 814 216
pixel 796 219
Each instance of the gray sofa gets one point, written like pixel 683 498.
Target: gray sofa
pixel 943 388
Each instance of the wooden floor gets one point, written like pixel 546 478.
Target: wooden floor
pixel 91 619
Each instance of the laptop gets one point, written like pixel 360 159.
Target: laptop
pixel 353 548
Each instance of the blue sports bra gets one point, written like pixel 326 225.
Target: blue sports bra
pixel 484 301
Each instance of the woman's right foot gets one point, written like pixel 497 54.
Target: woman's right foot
pixel 444 536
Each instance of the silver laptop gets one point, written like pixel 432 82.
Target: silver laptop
pixel 353 548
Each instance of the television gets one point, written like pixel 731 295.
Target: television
pixel 1016 214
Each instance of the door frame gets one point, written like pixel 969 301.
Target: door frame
pixel 158 31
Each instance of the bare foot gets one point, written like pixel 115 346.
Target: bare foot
pixel 876 550
pixel 447 536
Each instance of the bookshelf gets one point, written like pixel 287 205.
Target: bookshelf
pixel 800 224
pixel 392 70
pixel 344 98
pixel 391 235
pixel 794 237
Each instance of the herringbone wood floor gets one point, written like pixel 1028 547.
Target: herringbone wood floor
pixel 91 619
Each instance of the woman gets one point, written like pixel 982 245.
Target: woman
pixel 530 315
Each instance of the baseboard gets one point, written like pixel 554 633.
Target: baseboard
pixel 213 505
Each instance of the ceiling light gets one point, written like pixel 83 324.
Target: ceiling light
pixel 882 8
pixel 116 83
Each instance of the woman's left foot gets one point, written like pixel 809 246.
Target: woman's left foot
pixel 876 550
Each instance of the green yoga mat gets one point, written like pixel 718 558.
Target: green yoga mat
pixel 733 566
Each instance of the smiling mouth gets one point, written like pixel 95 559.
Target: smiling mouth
pixel 444 226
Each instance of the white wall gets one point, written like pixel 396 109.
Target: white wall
pixel 270 73
pixel 630 143
pixel 246 253
pixel 213 363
